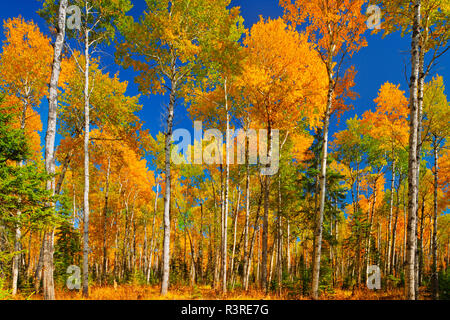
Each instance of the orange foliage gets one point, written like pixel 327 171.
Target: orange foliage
pixel 24 75
pixel 283 78
pixel 389 122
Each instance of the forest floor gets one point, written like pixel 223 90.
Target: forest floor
pixel 142 292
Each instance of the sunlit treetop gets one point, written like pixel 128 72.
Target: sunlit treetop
pixel 389 124
pixel 111 107
pixel 336 26
pixel 25 71
pixel 100 22
pixel 398 15
pixel 283 78
pixel 436 110
pixel 25 61
pixel 166 42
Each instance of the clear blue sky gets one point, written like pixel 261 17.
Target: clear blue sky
pixel 382 60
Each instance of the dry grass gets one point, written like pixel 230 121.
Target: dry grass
pixel 141 292
pixel 396 294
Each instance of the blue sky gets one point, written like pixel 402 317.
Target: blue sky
pixel 382 60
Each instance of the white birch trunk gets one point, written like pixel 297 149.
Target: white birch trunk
pixel 86 162
pixel 225 215
pixel 323 176
pixel 413 164
pixel 167 192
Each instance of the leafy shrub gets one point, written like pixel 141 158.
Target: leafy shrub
pixel 444 284
pixel 138 278
pixel 5 294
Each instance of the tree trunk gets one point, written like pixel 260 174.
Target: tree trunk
pixel 225 214
pixel 247 217
pixel 370 218
pixel 38 272
pixel 420 86
pixel 265 231
pixel 420 248
pixel 217 250
pixel 272 255
pixel 394 229
pixel 152 242
pixel 105 221
pixel 86 166
pixel 413 164
pixel 233 252
pixel 279 238
pixel 405 224
pixel 167 194
pixel 252 244
pixel 434 273
pixel 49 287
pixel 16 258
pixel 391 210
pixel 288 247
pixel 323 179
pixel 18 232
pixel 62 174
pixel 200 248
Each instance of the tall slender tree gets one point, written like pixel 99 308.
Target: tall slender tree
pixel 284 84
pixel 24 72
pixel 337 27
pixel 169 37
pixel 436 133
pixel 50 137
pixel 96 28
